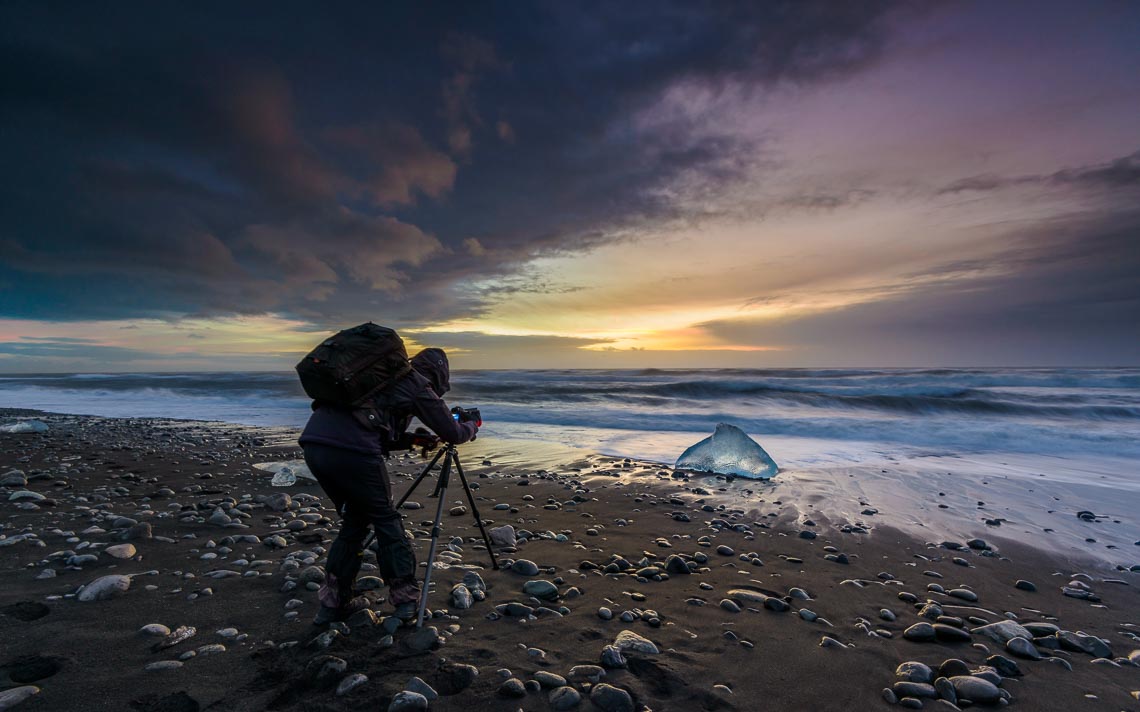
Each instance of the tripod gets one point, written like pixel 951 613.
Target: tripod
pixel 450 459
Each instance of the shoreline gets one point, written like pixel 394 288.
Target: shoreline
pixel 717 629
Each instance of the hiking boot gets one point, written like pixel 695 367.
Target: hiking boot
pixel 330 614
pixel 407 612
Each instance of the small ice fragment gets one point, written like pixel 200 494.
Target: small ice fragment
pixel 286 473
pixel 25 426
pixel 729 451
pixel 284 478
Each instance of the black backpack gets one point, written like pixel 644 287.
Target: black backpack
pixel 352 365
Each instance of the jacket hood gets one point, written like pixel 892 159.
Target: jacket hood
pixel 432 365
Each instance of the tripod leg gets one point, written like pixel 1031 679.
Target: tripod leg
pixel 441 488
pixel 475 511
pixel 423 474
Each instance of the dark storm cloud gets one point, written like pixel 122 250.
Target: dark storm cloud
pixel 165 159
pixel 1123 172
pixel 1062 292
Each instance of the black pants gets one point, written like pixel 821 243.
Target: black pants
pixel 359 487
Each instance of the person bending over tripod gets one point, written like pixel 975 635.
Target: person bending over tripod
pixel 346 454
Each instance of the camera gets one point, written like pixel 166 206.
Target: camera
pixel 467 415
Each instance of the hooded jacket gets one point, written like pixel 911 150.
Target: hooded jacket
pixel 419 394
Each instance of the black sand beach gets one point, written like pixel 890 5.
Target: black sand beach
pixel 747 602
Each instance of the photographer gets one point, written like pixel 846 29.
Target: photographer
pixel 345 449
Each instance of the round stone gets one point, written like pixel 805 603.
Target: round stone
pixel 628 640
pixel 950 634
pixel 1022 648
pixel 564 698
pixel 525 567
pixel 920 633
pixel 513 687
pixel 120 551
pixel 158 630
pixel 975 689
pixel 549 679
pixel 406 701
pixel 105 587
pixel 159 666
pixel 914 671
pixel 350 683
pixel 611 699
pixel 541 589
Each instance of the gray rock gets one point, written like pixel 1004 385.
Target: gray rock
pixel 1003 631
pixel 525 567
pixel 156 629
pixel 946 690
pixel 105 587
pixel 549 679
pixel 350 683
pixel 474 583
pixel 611 699
pixel 564 698
pixel 605 613
pixel 921 690
pixel 1004 666
pixel 1024 585
pixel 952 667
pixel 311 574
pixel 503 536
pixel 975 689
pixel 369 583
pixel 14 696
pixel 512 687
pixel 914 671
pixel 541 589
pixel 1078 643
pixel 950 634
pixel 730 605
pixel 418 685
pixel 1022 648
pixel 676 565
pixel 408 702
pixel 778 605
pixel 920 633
pixel 628 640
pixel 613 658
pixel 121 551
pixel 589 673
pixel 278 501
pixel 747 595
pixel 963 593
pixel 13 478
pixel 157 666
pixel 461 597
pixel 422 640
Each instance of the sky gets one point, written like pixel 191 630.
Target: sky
pixel 215 186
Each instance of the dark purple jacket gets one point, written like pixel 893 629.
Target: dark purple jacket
pixel 416 394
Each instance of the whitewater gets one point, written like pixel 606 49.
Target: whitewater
pixel 655 414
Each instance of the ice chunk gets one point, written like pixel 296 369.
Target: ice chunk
pixel 286 473
pixel 25 426
pixel 729 451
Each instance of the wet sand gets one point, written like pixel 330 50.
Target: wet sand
pixel 735 632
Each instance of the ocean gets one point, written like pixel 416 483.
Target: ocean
pixel 804 416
